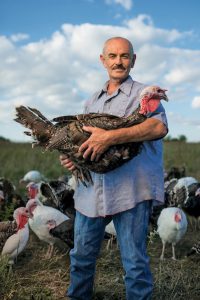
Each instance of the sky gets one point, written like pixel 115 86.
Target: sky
pixel 49 53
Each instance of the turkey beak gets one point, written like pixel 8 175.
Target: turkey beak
pixel 164 96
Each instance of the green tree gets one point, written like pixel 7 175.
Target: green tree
pixel 182 138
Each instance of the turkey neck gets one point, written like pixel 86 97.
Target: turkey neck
pixel 134 118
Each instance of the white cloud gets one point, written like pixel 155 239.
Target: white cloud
pixel 127 4
pixel 19 37
pixel 143 30
pixel 56 75
pixel 196 102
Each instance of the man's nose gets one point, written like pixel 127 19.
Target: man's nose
pixel 118 60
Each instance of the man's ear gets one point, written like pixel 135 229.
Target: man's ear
pixel 102 59
pixel 133 60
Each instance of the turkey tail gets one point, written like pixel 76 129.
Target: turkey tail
pixel 41 128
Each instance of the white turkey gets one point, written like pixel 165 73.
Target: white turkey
pixel 32 176
pixel 40 215
pixel 172 225
pixel 111 232
pixel 16 243
pixel 67 134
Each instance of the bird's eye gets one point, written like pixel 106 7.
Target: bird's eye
pixel 159 91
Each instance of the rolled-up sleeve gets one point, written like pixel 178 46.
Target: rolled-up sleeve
pixel 160 115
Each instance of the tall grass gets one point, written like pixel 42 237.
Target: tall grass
pixel 183 154
pixel 18 158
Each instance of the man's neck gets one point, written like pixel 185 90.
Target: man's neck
pixel 113 85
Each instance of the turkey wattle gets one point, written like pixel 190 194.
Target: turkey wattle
pixel 67 134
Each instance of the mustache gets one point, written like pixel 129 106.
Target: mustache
pixel 119 67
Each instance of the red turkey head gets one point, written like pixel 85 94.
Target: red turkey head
pixel 150 99
pixel 21 216
pixel 33 190
pixel 31 206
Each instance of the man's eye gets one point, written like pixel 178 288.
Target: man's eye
pixel 125 56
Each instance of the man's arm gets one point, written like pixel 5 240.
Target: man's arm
pixel 100 139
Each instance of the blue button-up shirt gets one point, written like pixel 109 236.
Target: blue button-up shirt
pixel 135 181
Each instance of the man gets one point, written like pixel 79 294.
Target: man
pixel 125 193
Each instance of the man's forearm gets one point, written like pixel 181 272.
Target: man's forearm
pixel 150 129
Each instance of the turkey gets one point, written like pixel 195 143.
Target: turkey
pixel 64 231
pixel 61 194
pixel 175 192
pixel 156 209
pixel 32 176
pixel 40 215
pixel 175 172
pixel 191 205
pixel 172 225
pixel 7 189
pixel 111 232
pixel 7 228
pixel 32 190
pixel 67 134
pixel 195 249
pixel 16 243
pixel 9 200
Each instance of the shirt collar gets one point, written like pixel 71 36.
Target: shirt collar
pixel 125 87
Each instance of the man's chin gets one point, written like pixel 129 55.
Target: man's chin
pixel 119 77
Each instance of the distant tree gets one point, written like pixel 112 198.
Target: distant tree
pixel 182 138
pixel 168 138
pixel 3 139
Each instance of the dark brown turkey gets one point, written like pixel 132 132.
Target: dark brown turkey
pixel 67 134
pixel 7 228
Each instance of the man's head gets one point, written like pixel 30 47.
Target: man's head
pixel 118 58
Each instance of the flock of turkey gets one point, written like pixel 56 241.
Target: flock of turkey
pixel 48 210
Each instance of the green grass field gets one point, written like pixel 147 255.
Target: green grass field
pixel 18 158
pixel 35 277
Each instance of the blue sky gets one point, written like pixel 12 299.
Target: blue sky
pixel 49 52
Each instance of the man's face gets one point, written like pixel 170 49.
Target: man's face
pixel 117 59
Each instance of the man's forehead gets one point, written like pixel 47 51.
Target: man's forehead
pixel 117 46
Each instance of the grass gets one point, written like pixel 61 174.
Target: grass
pixel 183 154
pixel 34 277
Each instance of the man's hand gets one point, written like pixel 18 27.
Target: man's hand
pixel 96 144
pixel 66 163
